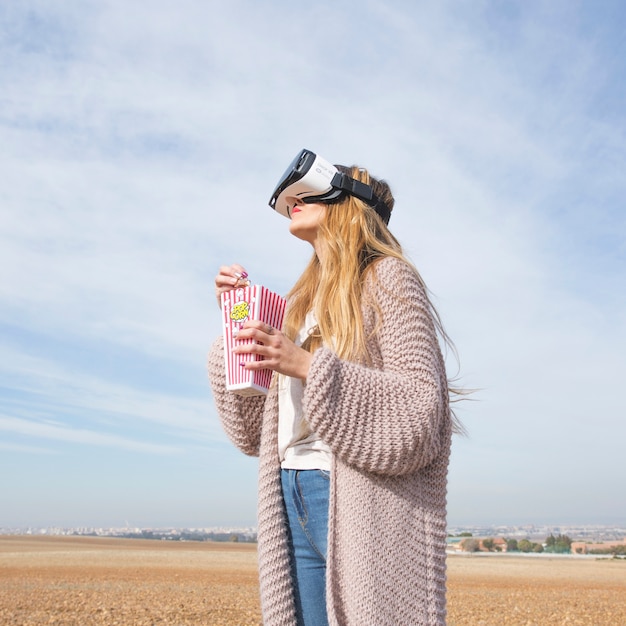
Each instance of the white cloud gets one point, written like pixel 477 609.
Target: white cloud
pixel 141 145
pixel 40 430
pixel 50 400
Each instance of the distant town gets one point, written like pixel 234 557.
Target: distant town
pixel 594 541
pixel 247 535
pixel 534 539
pixel 534 532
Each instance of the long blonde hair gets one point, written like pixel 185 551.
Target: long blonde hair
pixel 353 237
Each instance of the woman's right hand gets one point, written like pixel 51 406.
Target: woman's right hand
pixel 230 277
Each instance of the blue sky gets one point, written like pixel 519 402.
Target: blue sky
pixel 139 145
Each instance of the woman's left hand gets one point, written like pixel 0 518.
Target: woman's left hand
pixel 279 353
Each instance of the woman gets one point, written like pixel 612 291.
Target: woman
pixel 354 434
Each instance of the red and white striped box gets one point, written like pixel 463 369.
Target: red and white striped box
pixel 254 302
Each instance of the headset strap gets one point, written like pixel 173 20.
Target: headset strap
pixel 363 192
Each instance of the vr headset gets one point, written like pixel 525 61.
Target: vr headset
pixel 313 179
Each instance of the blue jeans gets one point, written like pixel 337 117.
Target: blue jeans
pixel 305 493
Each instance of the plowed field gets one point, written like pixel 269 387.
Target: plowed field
pixel 81 581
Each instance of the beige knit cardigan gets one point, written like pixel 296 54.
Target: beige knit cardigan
pixel 388 426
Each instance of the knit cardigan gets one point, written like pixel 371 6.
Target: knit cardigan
pixel 388 426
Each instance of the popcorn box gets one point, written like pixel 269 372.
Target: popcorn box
pixel 254 302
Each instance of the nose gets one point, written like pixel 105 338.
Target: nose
pixel 292 203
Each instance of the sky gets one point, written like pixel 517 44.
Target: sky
pixel 139 144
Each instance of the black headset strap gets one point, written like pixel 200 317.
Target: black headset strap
pixel 363 192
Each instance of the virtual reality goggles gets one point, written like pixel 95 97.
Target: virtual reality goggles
pixel 310 178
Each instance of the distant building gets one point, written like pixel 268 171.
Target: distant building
pixel 499 544
pixel 584 547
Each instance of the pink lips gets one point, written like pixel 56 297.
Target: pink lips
pixel 295 210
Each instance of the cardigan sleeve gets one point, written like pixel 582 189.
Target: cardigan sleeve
pixel 389 417
pixel 241 416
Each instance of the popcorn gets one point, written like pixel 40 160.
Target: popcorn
pixel 239 305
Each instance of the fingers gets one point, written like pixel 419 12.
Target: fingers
pixel 259 331
pixel 255 341
pixel 272 349
pixel 265 340
pixel 230 277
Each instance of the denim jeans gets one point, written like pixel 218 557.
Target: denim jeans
pixel 306 500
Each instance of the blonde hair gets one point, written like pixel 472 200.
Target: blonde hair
pixel 352 236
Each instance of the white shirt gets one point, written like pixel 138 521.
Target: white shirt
pixel 299 447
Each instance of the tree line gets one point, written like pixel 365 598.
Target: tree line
pixel 561 544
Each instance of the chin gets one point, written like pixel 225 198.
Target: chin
pixel 300 233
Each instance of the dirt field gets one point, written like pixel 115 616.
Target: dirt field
pixel 94 581
pixel 536 591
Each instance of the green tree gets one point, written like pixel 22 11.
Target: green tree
pixel 563 544
pixel 560 544
pixel 511 545
pixel 488 544
pixel 524 545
